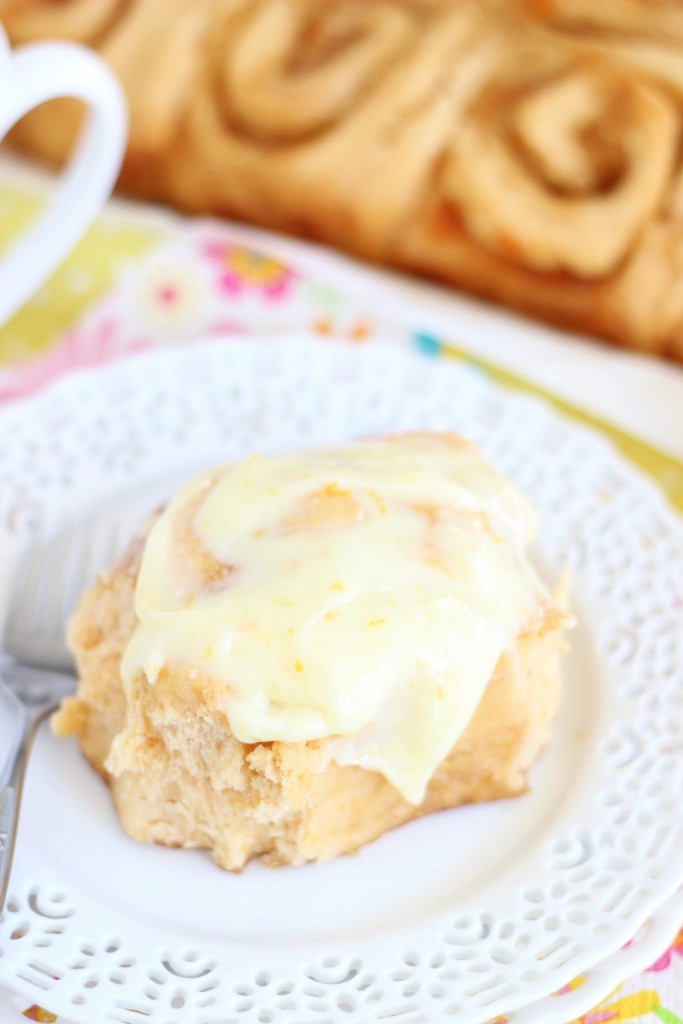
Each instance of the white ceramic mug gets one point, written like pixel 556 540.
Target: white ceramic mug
pixel 29 76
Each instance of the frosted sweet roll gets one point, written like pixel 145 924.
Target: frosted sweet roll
pixel 307 650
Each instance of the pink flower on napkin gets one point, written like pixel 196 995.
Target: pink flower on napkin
pixel 241 270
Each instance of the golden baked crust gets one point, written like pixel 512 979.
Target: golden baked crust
pixel 525 150
pixel 179 778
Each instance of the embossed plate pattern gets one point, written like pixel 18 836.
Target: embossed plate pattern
pixel 457 918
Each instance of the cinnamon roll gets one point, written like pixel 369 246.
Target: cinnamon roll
pixel 525 150
pixel 305 651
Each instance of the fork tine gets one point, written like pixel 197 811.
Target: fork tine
pixel 56 572
pixel 27 603
pixel 48 590
pixel 35 628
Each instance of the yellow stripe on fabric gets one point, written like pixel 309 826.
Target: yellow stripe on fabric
pixel 665 470
pixel 87 272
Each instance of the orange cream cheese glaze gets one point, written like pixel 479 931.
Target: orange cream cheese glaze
pixel 363 593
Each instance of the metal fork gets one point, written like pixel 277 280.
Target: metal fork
pixel 52 579
pixel 47 588
pixel 30 694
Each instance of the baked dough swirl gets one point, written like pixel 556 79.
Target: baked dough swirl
pixel 303 651
pixel 525 150
pixel 547 160
pixel 284 74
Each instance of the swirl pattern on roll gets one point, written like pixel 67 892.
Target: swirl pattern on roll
pixel 285 73
pixel 562 167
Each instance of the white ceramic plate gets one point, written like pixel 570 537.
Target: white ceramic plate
pixel 458 917
pixel 568 1005
pixel 598 982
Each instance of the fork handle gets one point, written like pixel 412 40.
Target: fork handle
pixel 10 797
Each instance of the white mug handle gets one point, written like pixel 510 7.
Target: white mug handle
pixel 28 77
